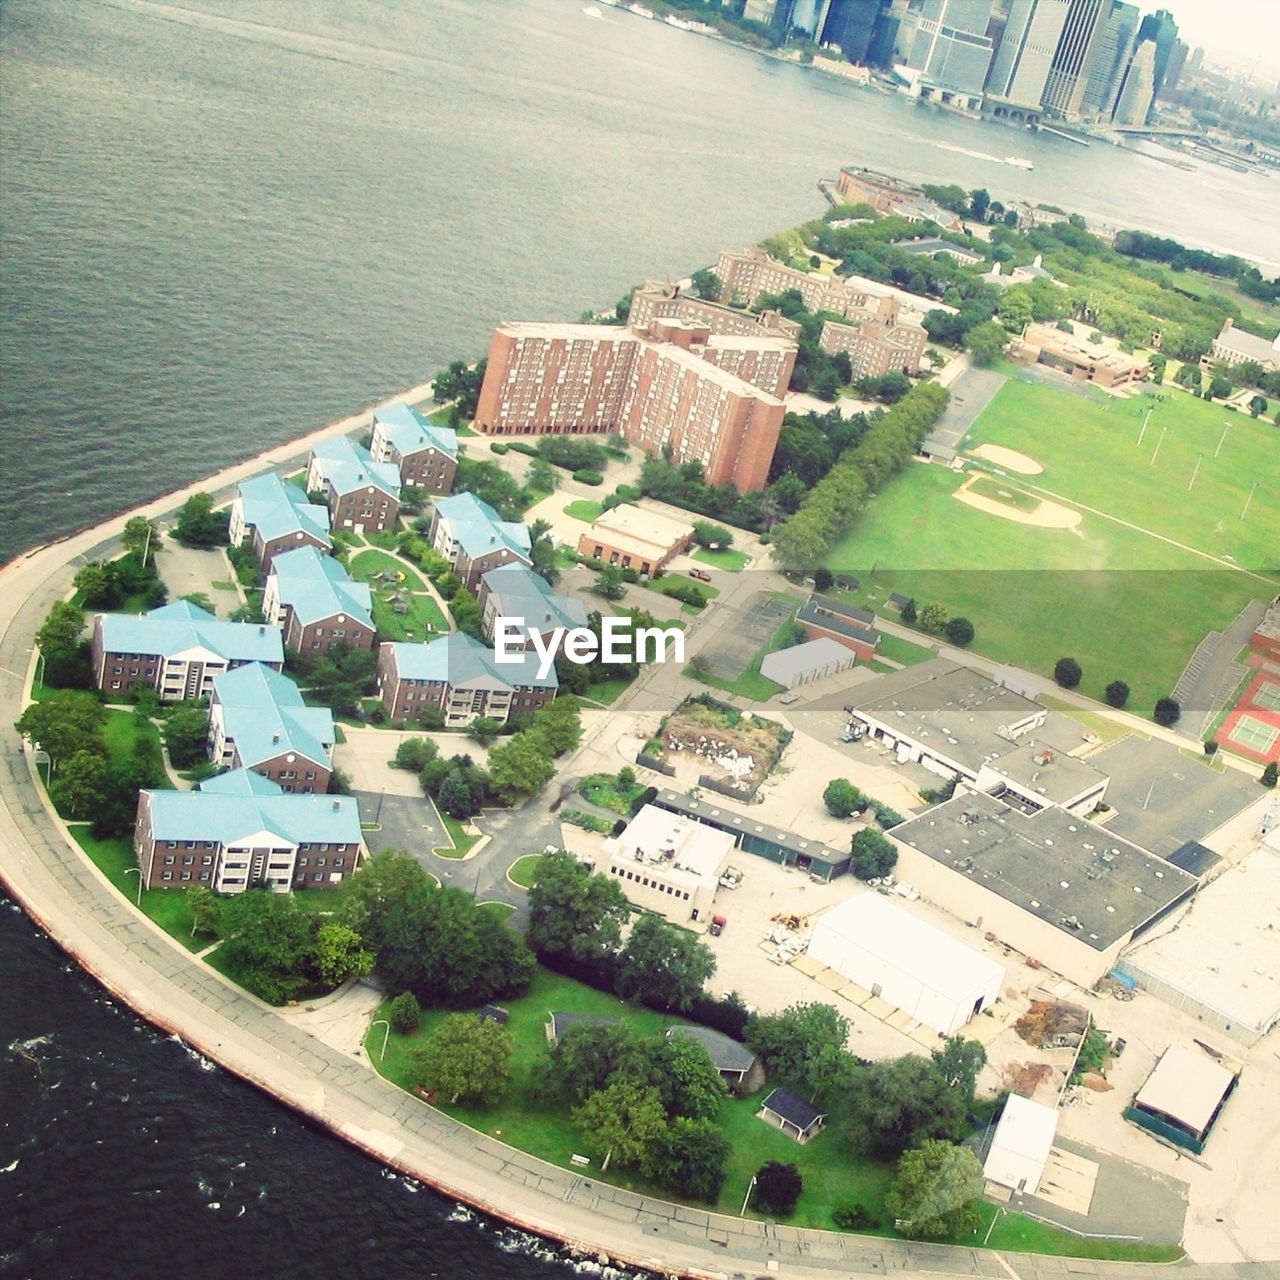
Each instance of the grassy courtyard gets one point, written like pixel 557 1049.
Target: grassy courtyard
pixel 584 509
pixel 1126 592
pixel 729 560
pixel 423 618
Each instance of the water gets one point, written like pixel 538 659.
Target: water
pixel 225 224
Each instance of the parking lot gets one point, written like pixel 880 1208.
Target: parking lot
pixel 743 633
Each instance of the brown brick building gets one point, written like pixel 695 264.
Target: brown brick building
pixel 425 454
pixel 877 346
pixel 363 495
pixel 823 617
pixel 472 537
pixel 316 604
pixel 274 516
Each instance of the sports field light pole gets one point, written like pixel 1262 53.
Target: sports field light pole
pixel 751 1186
pixel 1226 426
pixel 1159 442
pixel 1146 420
pixel 1196 472
pixel 386 1035
pixel 1248 500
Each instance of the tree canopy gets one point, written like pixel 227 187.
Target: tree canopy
pixel 662 965
pixel 573 911
pixel 468 1059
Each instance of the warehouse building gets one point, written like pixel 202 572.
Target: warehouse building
pixel 805 663
pixel 906 962
pixel 1183 1097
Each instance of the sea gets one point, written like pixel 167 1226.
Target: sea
pixel 227 222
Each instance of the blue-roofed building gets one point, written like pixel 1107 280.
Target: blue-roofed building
pixel 515 592
pixel 425 454
pixel 471 535
pixel 240 830
pixel 363 495
pixel 315 603
pixel 274 516
pixel 258 721
pixel 177 650
pixel 461 678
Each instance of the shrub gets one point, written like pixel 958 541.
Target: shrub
pixel 1168 712
pixel 1269 774
pixel 873 855
pixel 778 1187
pixel 404 1014
pixel 1067 672
pixel 519 446
pixel 1117 694
pixel 586 476
pixel 499 448
pixel 960 632
pixel 854 1217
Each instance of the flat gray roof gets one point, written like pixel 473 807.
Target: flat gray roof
pixel 1052 864
pixel 726 1053
pixel 1049 772
pixel 950 709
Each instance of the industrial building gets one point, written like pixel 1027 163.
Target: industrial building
pixel 906 962
pixel 1021 1145
pixel 1183 1097
pixel 805 663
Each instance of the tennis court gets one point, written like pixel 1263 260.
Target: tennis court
pixel 1255 735
pixel 1267 695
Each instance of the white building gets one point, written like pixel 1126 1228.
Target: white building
pixel 907 963
pixel 668 864
pixel 804 663
pixel 1021 1144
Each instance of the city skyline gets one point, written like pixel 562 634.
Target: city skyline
pixel 1228 30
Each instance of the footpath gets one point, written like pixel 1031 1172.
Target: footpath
pixel 152 974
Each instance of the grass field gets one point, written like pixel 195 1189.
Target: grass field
pixel 729 560
pixel 462 842
pixel 606 692
pixel 1126 593
pixel 584 509
pixel 522 870
pixel 424 618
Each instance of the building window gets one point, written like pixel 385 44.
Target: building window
pixel 166 875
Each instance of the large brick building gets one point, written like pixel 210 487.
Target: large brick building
pixel 880 344
pixel 314 602
pixel 177 650
pixel 239 830
pixel 515 592
pixel 458 676
pixel 426 454
pixel 363 495
pixel 258 721
pixel 675 388
pixel 471 535
pixel 274 516
pixel 659 300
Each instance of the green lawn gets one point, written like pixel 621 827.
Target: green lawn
pixel 584 509
pixel 522 870
pixel 604 790
pixel 1125 603
pixel 729 560
pixel 606 692
pixel 664 587
pixel 904 651
pixel 498 910
pixel 441 418
pixel 424 618
pixel 750 684
pixel 462 842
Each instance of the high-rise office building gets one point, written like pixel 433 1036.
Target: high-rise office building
pixel 1025 55
pixel 1196 60
pixel 1068 75
pixel 1139 86
pixel 850 25
pixel 1160 28
pixel 1177 61
pixel 951 48
pixel 1117 33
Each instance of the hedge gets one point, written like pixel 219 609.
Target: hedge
pixel 588 477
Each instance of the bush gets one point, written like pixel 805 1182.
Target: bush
pixel 499 448
pixel 960 632
pixel 873 855
pixel 1168 712
pixel 586 476
pixel 685 591
pixel 1067 672
pixel 404 1013
pixel 778 1187
pixel 854 1217
pixel 1117 694
pixel 519 446
pixel 1269 775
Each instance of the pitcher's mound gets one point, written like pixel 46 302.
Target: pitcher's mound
pixel 1008 458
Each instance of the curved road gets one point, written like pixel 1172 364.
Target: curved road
pixel 150 972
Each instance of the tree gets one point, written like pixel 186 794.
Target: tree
pixel 933 619
pixel 573 911
pixel 794 1042
pixel 139 538
pixel 1219 387
pixel 384 880
pixel 587 1057
pixel 198 525
pixel 979 203
pixel 778 1187
pixel 96 585
pixel 985 343
pixel 267 943
pixel 467 1060
pixel 896 1104
pixel 910 613
pixel 1269 774
pixel 873 855
pixel 610 583
pixel 461 384
pixel 65 723
pixel 80 785
pixel 1168 712
pixel 960 1060
pixel 404 1013
pixel 467 616
pixel 1117 694
pixel 340 678
pixel 822 579
pixel 454 796
pixel 206 910
pixel 624 1120
pixel 66 656
pixel 843 799
pixel 1159 363
pixel 1188 376
pixel 707 285
pixel 1257 406
pixel 936 1191
pixel 960 632
pixel 186 734
pixel 557 727
pixel 339 954
pixel 680 1068
pixel 542 476
pixel 1067 672
pixel 712 536
pixel 690 1159
pixel 518 768
pixel 414 753
pixel 663 965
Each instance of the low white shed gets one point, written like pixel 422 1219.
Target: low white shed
pixel 1021 1144
pixel 804 663
pixel 928 974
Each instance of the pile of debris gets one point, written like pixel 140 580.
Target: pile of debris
pixel 1053 1024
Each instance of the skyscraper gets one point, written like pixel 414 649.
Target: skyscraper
pixel 1163 30
pixel 849 24
pixel 1065 86
pixel 1173 72
pixel 1139 86
pixel 1112 50
pixel 1023 61
pixel 951 49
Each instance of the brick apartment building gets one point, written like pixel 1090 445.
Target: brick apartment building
pixel 313 600
pixel 514 591
pixel 176 650
pixel 239 830
pixel 425 454
pixel 676 387
pixel 471 535
pixel 847 624
pixel 274 516
pixel 258 721
pixel 877 346
pixel 363 495
pixel 459 676
pixel 660 300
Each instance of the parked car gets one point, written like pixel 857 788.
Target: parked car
pixel 717 926
pixel 701 574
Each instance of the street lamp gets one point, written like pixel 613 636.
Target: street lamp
pixel 386 1035
pixel 136 871
pixel 751 1186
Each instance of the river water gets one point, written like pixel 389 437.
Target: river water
pixel 226 223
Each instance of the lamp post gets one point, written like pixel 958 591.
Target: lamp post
pixel 136 871
pixel 386 1035
pixel 751 1186
pixel 1226 426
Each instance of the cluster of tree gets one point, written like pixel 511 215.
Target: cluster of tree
pixel 714 537
pixel 1068 673
pixel 936 621
pixel 888 387
pixel 491 484
pixel 1226 266
pixel 573 453
pixel 457 784
pixel 684 486
pixel 199 525
pixel 64 648
pixel 107 585
pixel 576 677
pixel 88 781
pixel 468 1059
pixel 523 764
pixel 832 505
pixel 460 384
pixel 807 446
pixel 186 733
pixel 816 371
pixel 339 678
pixel 707 285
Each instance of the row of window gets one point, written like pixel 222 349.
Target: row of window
pixel 623 874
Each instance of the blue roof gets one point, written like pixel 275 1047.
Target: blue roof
pixel 518 592
pixel 348 466
pixel 316 586
pixel 461 660
pixel 179 627
pixel 264 715
pixel 241 804
pixel 410 432
pixel 277 509
pixel 477 528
